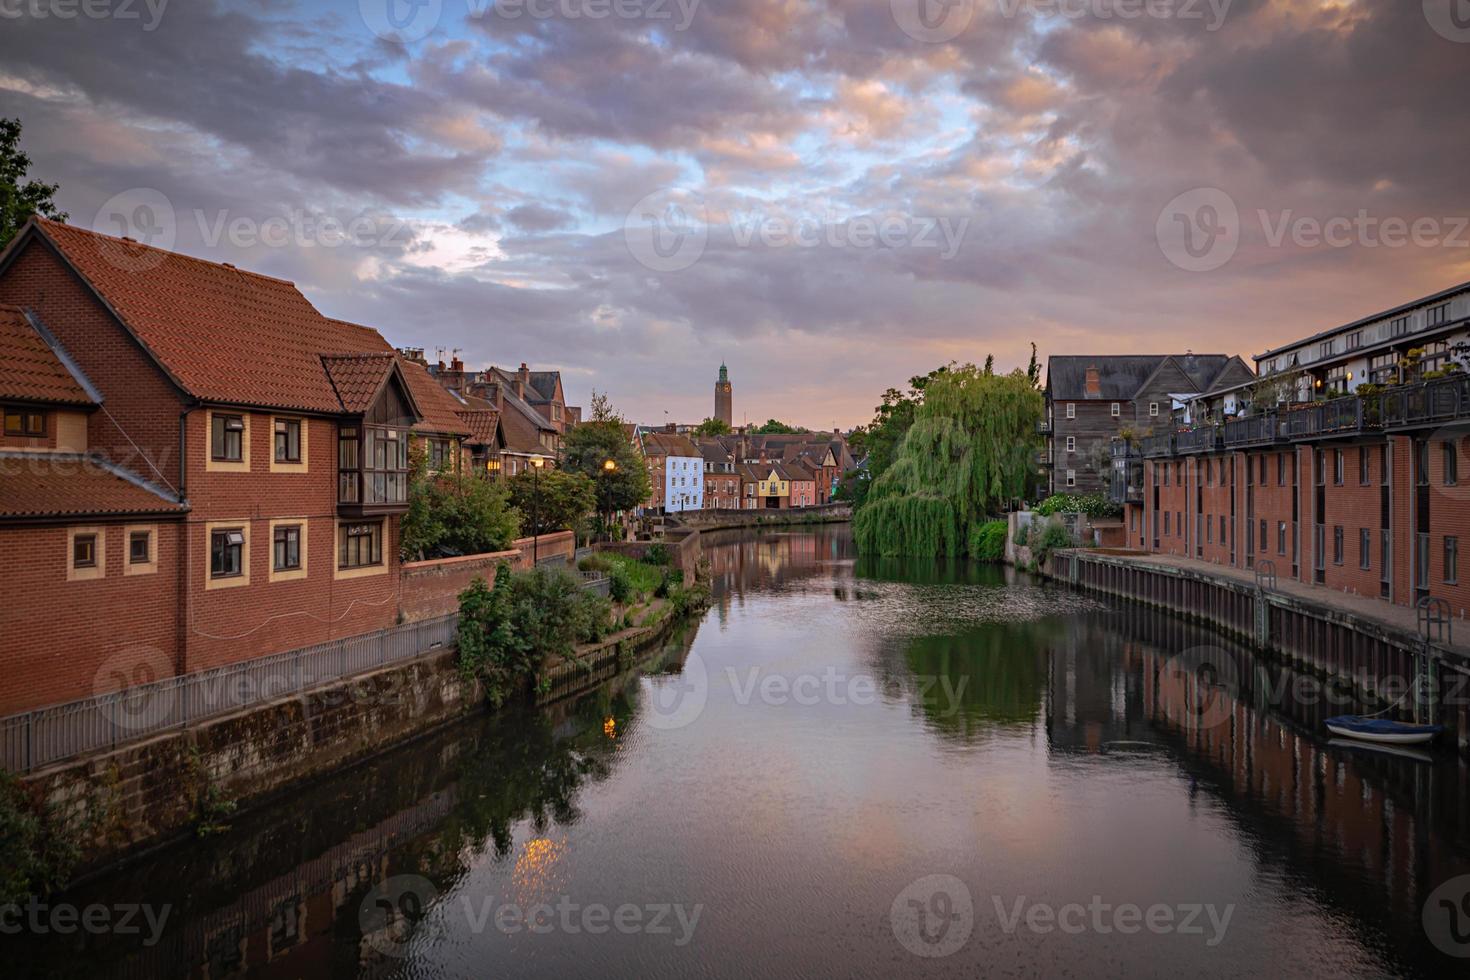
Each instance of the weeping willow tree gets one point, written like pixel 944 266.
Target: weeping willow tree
pixel 969 451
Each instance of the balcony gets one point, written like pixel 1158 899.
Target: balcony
pixel 1043 427
pixel 1253 430
pixel 1043 457
pixel 1123 449
pixel 1336 417
pixel 372 470
pixel 1125 482
pixel 1155 446
pixel 1427 403
pixel 1200 439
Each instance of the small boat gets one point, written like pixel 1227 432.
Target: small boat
pixel 1382 730
pixel 1378 748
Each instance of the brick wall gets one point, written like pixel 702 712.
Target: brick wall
pixel 431 588
pixel 72 639
pixel 1352 506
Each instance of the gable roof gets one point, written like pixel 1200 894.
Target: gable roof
pixel 358 378
pixel 482 425
pixel 219 333
pixel 34 368
pixel 670 444
pixel 52 485
pixel 1121 376
pixel 438 409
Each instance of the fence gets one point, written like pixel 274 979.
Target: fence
pixel 47 735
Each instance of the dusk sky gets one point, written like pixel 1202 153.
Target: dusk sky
pixel 828 196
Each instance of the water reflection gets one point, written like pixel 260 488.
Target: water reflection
pixel 1029 740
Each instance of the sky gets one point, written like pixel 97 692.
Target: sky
pixel 828 196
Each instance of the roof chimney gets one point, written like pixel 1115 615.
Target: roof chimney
pixel 1094 382
pixel 456 365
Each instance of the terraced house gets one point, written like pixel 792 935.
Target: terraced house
pixel 1342 461
pixel 200 468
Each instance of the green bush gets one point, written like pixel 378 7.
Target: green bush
pixel 33 858
pixel 641 578
pixel 1094 505
pixel 619 586
pixel 595 563
pixel 1048 536
pixel 657 554
pixel 988 541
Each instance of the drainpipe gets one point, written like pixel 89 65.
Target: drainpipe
pixel 181 614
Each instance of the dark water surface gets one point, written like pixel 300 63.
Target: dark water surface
pixel 849 768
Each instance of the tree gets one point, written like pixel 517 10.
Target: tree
pixel 586 450
pixel 602 410
pixel 454 514
pixel 712 427
pixel 774 427
pixel 20 198
pixel 887 430
pixel 967 453
pixel 552 500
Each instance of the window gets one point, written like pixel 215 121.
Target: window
pixel 1264 533
pixel 1383 369
pixel 385 480
pixel 226 552
pixel 1355 340
pixel 1451 464
pixel 1222 528
pixel 140 548
pixel 1166 522
pixel 1263 471
pixel 1071 444
pixel 1421 453
pixel 1365 548
pixel 22 422
pixel 360 545
pixel 1363 467
pixel 1071 410
pixel 1281 469
pixel 1451 560
pixel 1398 326
pixel 1153 409
pixel 1325 349
pixel 1337 544
pixel 1281 537
pixel 288 440
pixel 348 462
pixel 1117 410
pixel 84 551
pixel 1437 315
pixel 226 438
pixel 440 457
pixel 1337 467
pixel 286 548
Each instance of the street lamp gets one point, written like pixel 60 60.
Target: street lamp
pixel 536 463
pixel 609 466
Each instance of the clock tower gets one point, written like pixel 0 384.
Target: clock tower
pixel 724 409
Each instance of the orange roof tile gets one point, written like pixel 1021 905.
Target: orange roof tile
pixel 357 378
pixel 48 485
pixel 222 333
pixel 440 409
pixel 30 370
pixel 482 425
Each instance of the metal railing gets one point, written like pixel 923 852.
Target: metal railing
pixel 1253 430
pixel 1339 416
pixel 58 732
pixel 1427 403
pixel 1200 439
pixel 1156 446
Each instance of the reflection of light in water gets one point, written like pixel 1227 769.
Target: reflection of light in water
pixel 535 875
pixel 610 727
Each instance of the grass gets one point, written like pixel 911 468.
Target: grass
pixel 643 577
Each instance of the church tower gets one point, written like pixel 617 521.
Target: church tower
pixel 724 408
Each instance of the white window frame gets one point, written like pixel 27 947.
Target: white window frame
pixel 1071 410
pixel 1153 410
pixel 1071 478
pixel 1117 410
pixel 1071 444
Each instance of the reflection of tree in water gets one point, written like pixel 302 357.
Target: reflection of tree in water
pixel 530 765
pixel 928 571
pixel 981 679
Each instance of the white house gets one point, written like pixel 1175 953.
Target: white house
pixel 677 467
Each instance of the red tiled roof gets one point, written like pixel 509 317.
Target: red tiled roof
pixel 223 334
pixel 357 378
pixel 72 485
pixel 29 369
pixel 481 424
pixel 440 409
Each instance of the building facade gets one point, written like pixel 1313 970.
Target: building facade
pixel 1342 463
pixel 724 398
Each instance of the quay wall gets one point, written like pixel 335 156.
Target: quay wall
pixel 1374 659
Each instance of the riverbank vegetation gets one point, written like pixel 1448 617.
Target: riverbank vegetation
pixel 453 514
pixel 967 449
pixel 34 858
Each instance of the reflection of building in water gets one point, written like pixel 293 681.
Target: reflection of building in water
pixel 1341 817
pixel 754 561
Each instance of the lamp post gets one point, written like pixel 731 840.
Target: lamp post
pixel 609 467
pixel 536 463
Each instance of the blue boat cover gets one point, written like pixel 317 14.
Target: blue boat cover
pixel 1382 726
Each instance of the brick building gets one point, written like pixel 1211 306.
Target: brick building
pixel 221 479
pixel 1342 461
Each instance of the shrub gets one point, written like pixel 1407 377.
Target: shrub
pixel 619 586
pixel 595 563
pixel 1094 505
pixel 1047 537
pixel 657 554
pixel 988 541
pixel 33 858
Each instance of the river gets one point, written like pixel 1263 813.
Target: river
pixel 850 767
